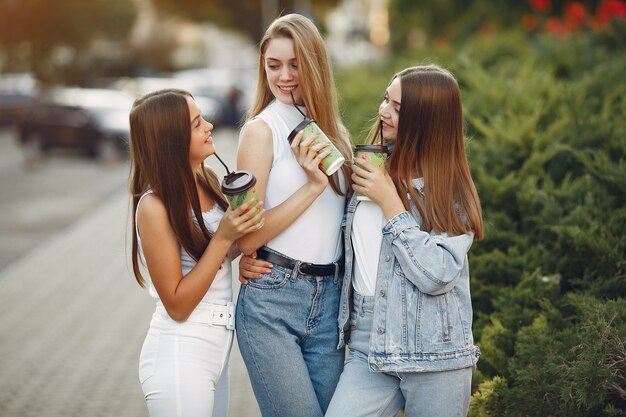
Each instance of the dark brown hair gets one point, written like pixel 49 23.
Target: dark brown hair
pixel 430 143
pixel 160 132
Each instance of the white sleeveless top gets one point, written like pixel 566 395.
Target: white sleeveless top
pixel 367 237
pixel 315 236
pixel 221 289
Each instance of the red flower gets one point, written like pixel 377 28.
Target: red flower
pixel 575 14
pixel 555 26
pixel 576 10
pixel 540 5
pixel 610 9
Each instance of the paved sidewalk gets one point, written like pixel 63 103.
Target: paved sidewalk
pixel 72 321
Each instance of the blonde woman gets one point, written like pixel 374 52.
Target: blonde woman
pixel 287 318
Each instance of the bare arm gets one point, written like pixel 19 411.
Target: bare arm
pixel 255 154
pixel 180 295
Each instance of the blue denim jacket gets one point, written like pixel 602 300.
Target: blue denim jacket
pixel 423 313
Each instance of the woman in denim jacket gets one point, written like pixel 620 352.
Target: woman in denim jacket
pixel 406 311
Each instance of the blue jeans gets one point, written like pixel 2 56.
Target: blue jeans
pixel 287 333
pixel 361 392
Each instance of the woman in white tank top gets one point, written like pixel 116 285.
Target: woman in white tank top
pixel 184 235
pixel 287 315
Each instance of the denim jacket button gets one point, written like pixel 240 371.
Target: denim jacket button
pixel 382 293
pixel 381 330
pixel 387 258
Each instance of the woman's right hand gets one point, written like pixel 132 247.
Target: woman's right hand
pixel 252 268
pixel 310 158
pixel 245 219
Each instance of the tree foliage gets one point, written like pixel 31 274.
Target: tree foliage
pixel 34 28
pixel 242 15
pixel 453 20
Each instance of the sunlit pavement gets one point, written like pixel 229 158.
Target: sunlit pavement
pixel 72 321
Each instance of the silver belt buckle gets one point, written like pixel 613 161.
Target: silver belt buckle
pixel 303 265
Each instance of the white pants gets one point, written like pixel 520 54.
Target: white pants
pixel 183 367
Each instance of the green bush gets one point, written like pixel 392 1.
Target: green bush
pixel 546 140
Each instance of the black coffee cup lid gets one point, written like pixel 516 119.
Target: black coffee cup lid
pixel 237 182
pixel 298 128
pixel 372 148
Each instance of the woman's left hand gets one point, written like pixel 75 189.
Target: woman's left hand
pixel 376 184
pixel 251 268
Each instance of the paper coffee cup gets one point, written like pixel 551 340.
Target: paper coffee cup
pixel 332 162
pixel 375 155
pixel 239 187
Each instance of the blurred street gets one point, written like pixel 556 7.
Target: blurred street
pixel 72 317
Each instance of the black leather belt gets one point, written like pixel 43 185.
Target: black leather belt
pixel 304 268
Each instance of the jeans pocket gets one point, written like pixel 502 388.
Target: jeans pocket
pixel 276 278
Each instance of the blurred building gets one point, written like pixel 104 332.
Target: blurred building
pixel 358 31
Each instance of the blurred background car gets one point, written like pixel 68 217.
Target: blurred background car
pixel 17 97
pixel 222 94
pixel 232 87
pixel 209 102
pixel 93 121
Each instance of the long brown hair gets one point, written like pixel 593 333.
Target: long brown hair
pixel 430 141
pixel 316 83
pixel 160 132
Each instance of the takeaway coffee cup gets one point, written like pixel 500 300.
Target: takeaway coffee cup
pixel 239 187
pixel 375 155
pixel 332 162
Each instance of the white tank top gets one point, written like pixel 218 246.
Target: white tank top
pixel 221 289
pixel 315 236
pixel 367 237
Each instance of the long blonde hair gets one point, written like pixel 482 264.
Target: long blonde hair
pixel 430 141
pixel 316 83
pixel 160 132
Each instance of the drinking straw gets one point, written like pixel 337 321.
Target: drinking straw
pixel 220 159
pixel 381 132
pixel 293 100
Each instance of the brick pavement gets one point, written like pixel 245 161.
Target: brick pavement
pixel 72 321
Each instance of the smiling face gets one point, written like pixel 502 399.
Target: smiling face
pixel 389 110
pixel 281 70
pixel 201 142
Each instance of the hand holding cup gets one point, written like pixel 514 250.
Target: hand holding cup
pixel 310 155
pixel 244 219
pixel 374 155
pixel 313 135
pixel 372 183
